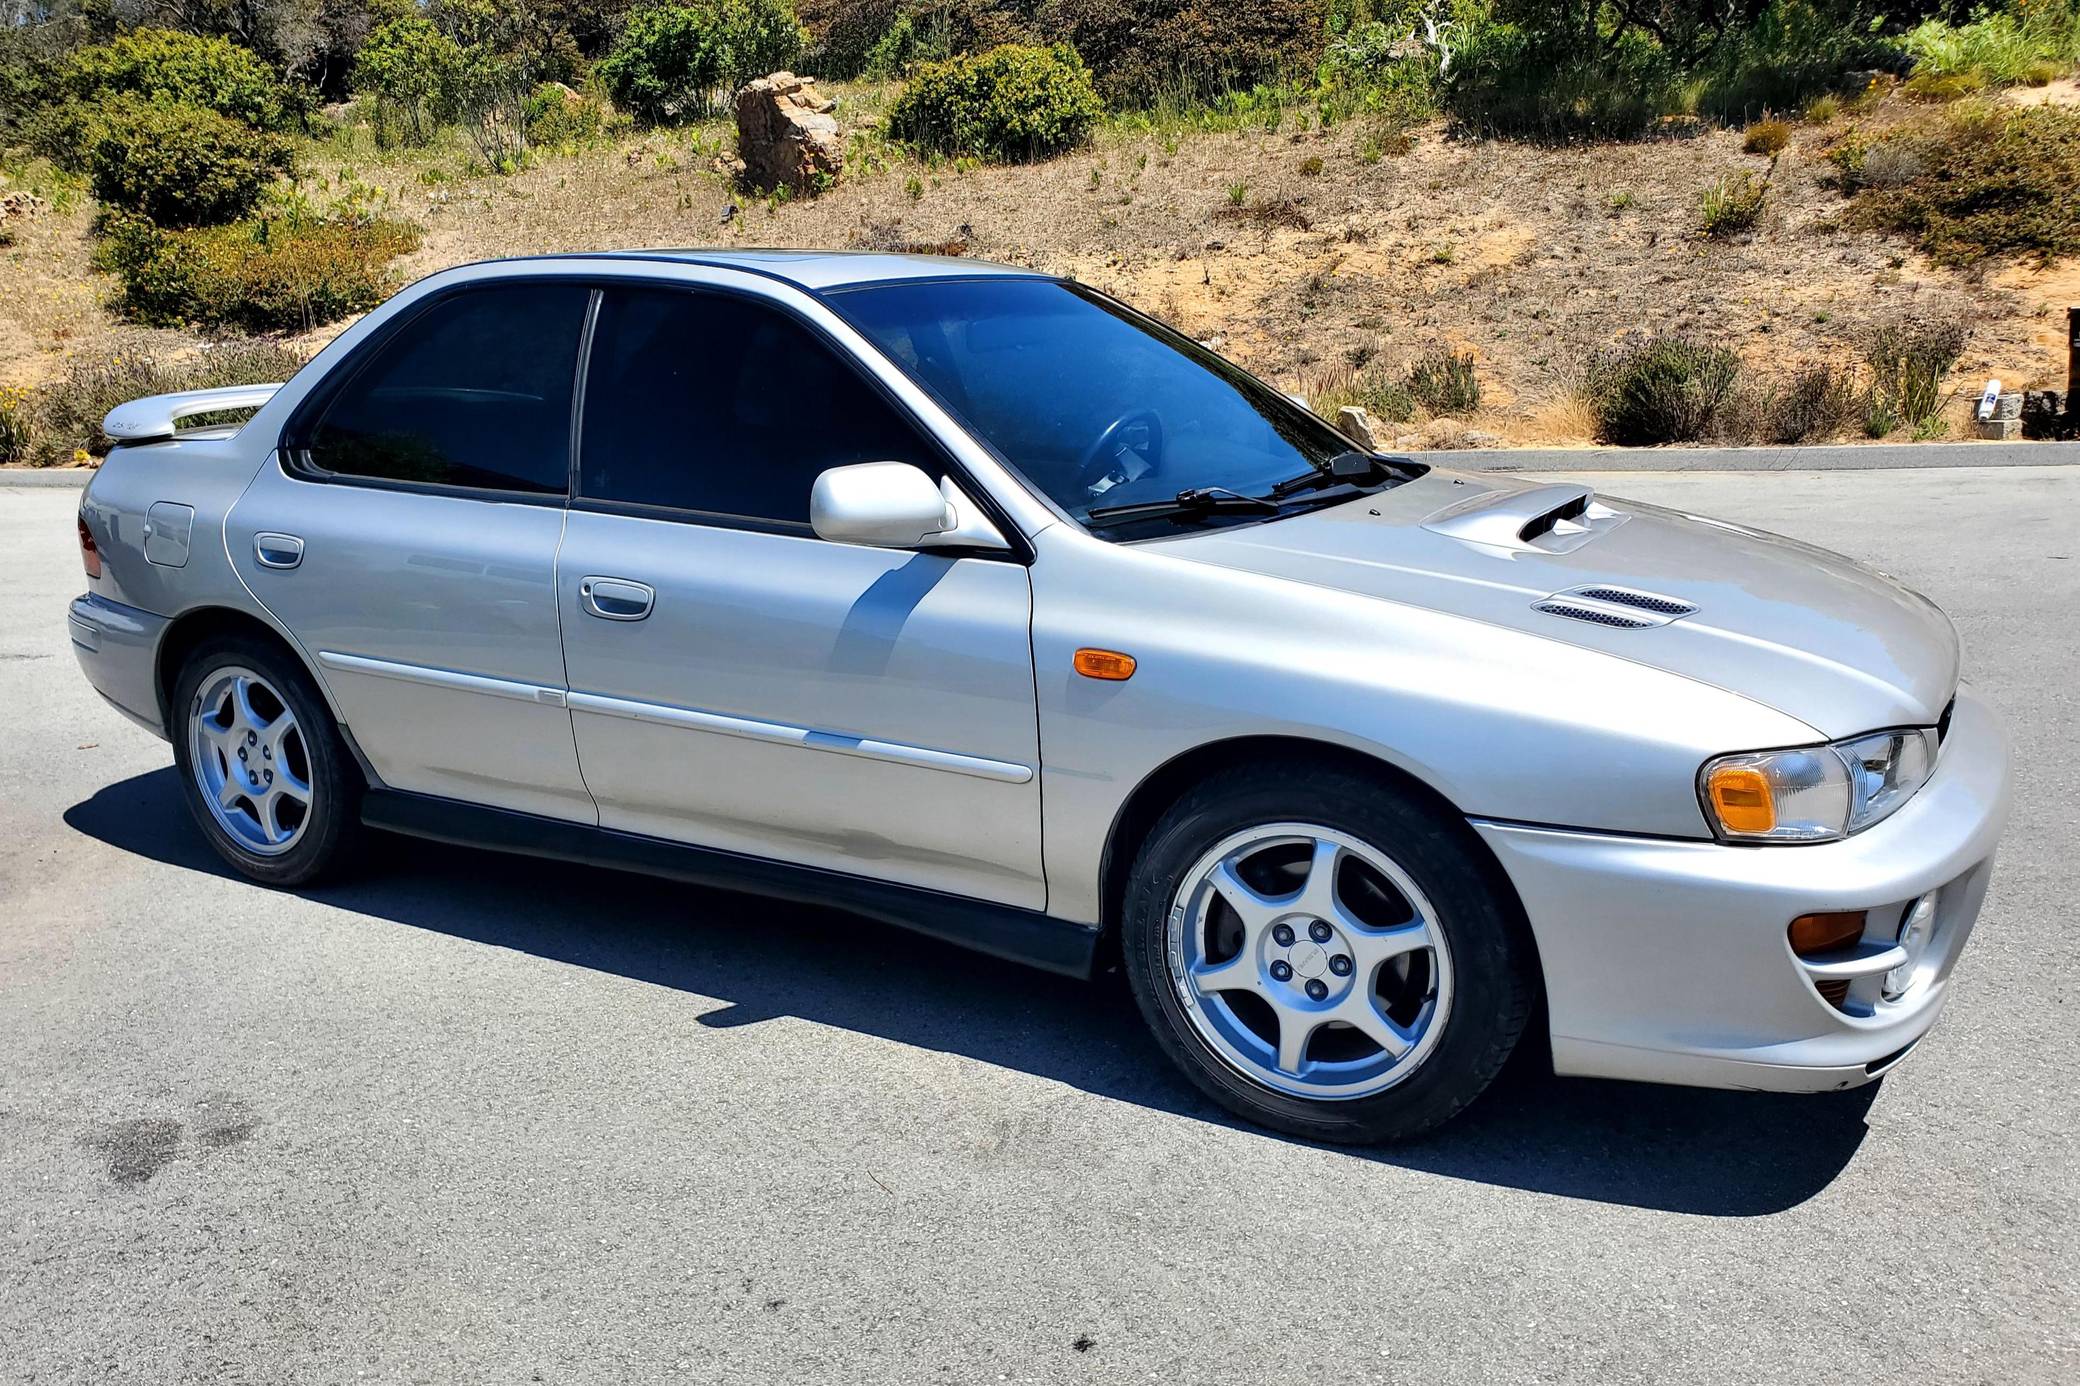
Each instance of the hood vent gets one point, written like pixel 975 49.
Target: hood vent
pixel 1670 607
pixel 1619 608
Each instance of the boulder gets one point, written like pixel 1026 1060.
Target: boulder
pixel 1355 424
pixel 786 135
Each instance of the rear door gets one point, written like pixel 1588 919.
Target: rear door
pixel 737 682
pixel 407 536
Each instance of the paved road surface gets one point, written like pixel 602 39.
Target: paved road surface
pixel 475 1119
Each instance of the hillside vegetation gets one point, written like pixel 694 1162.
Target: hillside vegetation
pixel 1484 221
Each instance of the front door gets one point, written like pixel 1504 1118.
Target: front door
pixel 737 682
pixel 407 537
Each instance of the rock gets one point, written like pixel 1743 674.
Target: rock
pixel 2000 430
pixel 1475 438
pixel 786 135
pixel 1355 424
pixel 2048 414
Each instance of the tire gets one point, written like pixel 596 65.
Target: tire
pixel 302 819
pixel 1219 869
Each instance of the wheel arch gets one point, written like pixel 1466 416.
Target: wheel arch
pixel 189 630
pixel 1168 782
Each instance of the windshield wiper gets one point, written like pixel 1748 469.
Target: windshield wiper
pixel 1345 468
pixel 1193 500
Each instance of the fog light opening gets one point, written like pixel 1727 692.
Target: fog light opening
pixel 1914 934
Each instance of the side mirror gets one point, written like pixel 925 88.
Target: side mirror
pixel 893 505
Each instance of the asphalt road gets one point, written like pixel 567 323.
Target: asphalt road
pixel 477 1119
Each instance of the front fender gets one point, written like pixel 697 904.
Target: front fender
pixel 1504 725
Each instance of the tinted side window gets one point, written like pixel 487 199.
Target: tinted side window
pixel 475 391
pixel 718 404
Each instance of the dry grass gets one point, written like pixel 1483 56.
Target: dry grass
pixel 1506 251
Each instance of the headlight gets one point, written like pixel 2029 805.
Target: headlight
pixel 1815 793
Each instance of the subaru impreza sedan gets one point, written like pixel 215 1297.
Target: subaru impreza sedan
pixel 965 598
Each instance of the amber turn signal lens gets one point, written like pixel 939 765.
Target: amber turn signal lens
pixel 1104 664
pixel 1813 934
pixel 1740 795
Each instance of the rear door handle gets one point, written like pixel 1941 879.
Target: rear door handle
pixel 277 550
pixel 616 599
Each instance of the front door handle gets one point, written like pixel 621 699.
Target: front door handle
pixel 277 550
pixel 616 599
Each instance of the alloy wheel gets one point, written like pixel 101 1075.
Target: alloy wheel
pixel 1309 961
pixel 248 759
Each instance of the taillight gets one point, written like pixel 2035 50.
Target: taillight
pixel 88 554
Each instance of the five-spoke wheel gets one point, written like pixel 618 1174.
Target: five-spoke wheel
pixel 267 774
pixel 1307 959
pixel 249 761
pixel 1325 950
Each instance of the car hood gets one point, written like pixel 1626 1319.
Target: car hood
pixel 1826 640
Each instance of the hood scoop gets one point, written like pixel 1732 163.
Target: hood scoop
pixel 1620 608
pixel 1540 519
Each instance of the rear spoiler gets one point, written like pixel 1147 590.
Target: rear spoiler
pixel 159 416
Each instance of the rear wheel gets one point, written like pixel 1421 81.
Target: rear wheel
pixel 267 775
pixel 1320 954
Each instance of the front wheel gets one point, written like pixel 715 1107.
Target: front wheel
pixel 1322 955
pixel 267 775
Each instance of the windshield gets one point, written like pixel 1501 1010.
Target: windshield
pixel 1097 406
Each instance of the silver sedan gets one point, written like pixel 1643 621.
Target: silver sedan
pixel 968 599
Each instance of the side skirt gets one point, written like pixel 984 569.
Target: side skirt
pixel 1004 931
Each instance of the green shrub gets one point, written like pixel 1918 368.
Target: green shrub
pixel 1444 383
pixel 268 273
pixel 69 411
pixel 1734 203
pixel 17 425
pixel 555 117
pixel 188 69
pixel 1987 182
pixel 1909 359
pixel 401 68
pixel 1941 87
pixel 1508 82
pixel 1013 102
pixel 1665 389
pixel 1766 137
pixel 181 165
pixel 677 61
pixel 2001 46
pixel 1144 51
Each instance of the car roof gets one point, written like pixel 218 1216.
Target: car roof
pixel 815 270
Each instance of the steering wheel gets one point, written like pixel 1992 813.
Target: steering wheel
pixel 1103 457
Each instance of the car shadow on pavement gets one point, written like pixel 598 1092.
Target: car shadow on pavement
pixel 1720 1154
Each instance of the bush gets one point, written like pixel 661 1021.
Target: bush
pixel 269 273
pixel 181 165
pixel 1013 102
pixel 1817 403
pixel 555 117
pixel 70 410
pixel 1664 389
pixel 1985 183
pixel 1734 203
pixel 677 61
pixel 1144 51
pixel 401 68
pixel 17 425
pixel 1938 88
pixel 2004 47
pixel 1512 83
pixel 163 66
pixel 1444 383
pixel 1766 137
pixel 1909 359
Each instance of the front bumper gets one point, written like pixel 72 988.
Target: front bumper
pixel 1668 961
pixel 118 650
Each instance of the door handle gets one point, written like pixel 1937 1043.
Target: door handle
pixel 616 599
pixel 277 550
